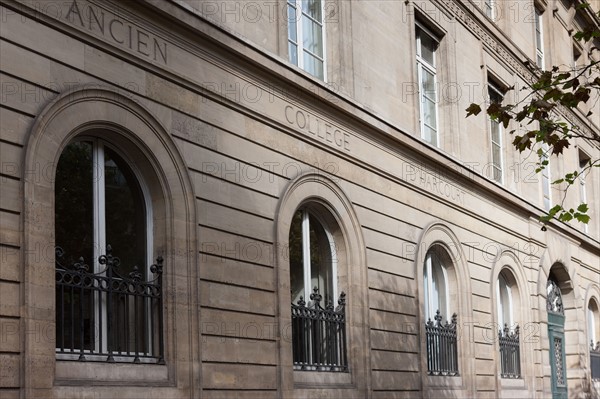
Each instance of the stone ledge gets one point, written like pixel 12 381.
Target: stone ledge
pixel 91 373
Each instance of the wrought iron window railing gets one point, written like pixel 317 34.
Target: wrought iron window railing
pixel 442 348
pixel 510 353
pixel 595 360
pixel 107 316
pixel 319 334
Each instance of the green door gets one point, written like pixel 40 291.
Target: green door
pixel 556 339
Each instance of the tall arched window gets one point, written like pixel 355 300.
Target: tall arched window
pixel 508 334
pixel 441 338
pixel 318 323
pixel 107 295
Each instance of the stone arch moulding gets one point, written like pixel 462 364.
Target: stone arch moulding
pixel 125 122
pixel 438 233
pixel 318 189
pixel 567 276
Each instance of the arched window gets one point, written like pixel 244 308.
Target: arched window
pixel 435 285
pixel 108 297
pixel 441 338
pixel 508 333
pixel 318 323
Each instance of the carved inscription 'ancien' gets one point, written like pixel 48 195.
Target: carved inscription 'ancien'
pixel 117 30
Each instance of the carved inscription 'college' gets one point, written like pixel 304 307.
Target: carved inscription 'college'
pixel 117 30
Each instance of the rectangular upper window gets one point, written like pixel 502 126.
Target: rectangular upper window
pixel 306 36
pixel 539 38
pixel 427 45
pixel 496 96
pixel 546 177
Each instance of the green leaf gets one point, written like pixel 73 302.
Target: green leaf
pixel 583 208
pixel 473 109
pixel 565 217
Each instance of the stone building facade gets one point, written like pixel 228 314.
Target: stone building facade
pixel 309 211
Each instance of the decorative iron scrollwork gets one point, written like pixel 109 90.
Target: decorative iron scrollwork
pixel 510 353
pixel 554 301
pixel 319 334
pixel 595 360
pixel 442 346
pixel 106 314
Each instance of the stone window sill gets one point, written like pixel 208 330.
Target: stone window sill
pixel 96 373
pixel 317 379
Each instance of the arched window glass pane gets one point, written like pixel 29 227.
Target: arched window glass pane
pixel 593 313
pixel 504 302
pixel 296 258
pixel 74 202
pixel 320 260
pixel 438 285
pixel 435 286
pixel 125 213
pixel 310 260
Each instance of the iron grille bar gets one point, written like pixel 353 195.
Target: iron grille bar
pixel 442 348
pixel 510 354
pixel 319 334
pixel 108 314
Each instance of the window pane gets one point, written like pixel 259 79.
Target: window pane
pixel 496 155
pixel 320 261
pixel 429 114
pixel 428 311
pixel 429 135
pixel 438 286
pixel 292 20
pixel 313 66
pixel 495 126
pixel 296 258
pixel 435 287
pixel 125 214
pixel 74 203
pixel 504 303
pixel 428 84
pixel 293 51
pixel 312 37
pixel 313 9
pixel 428 47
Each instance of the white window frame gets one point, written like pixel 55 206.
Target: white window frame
pixel 297 4
pixel 496 164
pixel 539 36
pixel 307 270
pixel 430 309
pixel 582 188
pixel 421 65
pixel 546 186
pixel 99 204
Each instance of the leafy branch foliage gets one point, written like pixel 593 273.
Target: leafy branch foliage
pixel 538 116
